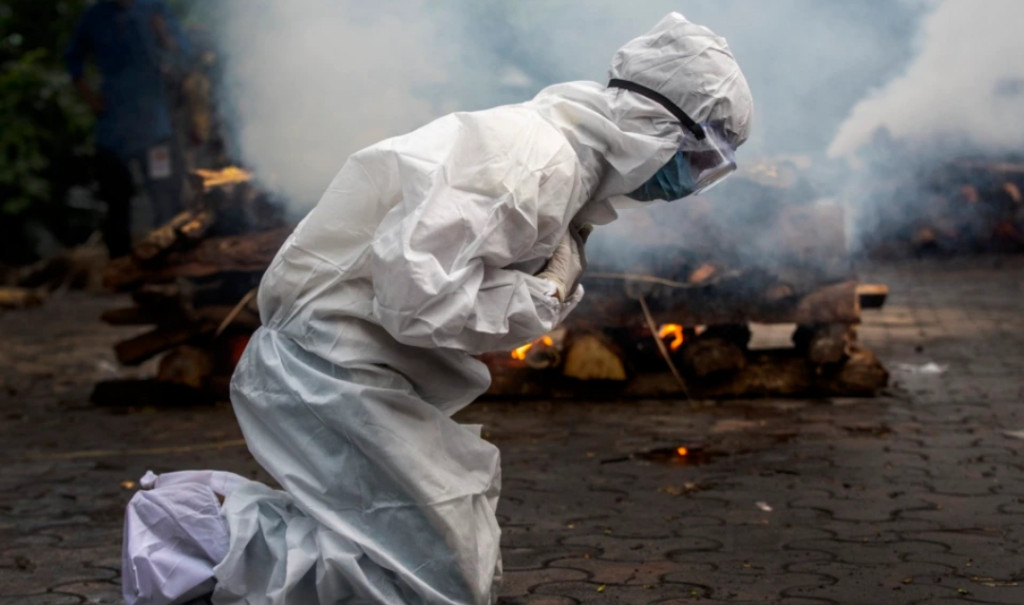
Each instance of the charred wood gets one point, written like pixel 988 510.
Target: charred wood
pixel 185 229
pixel 711 356
pixel 149 344
pixel 825 344
pixel 240 253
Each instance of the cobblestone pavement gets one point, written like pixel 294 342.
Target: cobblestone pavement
pixel 913 497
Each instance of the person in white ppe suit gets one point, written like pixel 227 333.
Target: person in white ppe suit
pixel 461 237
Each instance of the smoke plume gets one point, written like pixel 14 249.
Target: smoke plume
pixel 964 89
pixel 307 82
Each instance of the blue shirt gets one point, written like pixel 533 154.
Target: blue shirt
pixel 123 43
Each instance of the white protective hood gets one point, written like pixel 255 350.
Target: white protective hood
pixel 627 137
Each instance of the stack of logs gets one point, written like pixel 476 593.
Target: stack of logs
pixel 673 316
pixel 676 322
pixel 634 344
pixel 193 280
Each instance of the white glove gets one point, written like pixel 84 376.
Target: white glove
pixel 566 264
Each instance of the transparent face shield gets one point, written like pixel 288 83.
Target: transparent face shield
pixel 710 160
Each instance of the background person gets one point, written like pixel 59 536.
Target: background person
pixel 136 46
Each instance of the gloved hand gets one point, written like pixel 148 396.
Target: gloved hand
pixel 567 263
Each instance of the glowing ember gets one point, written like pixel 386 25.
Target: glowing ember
pixel 520 353
pixel 676 332
pixel 225 176
pixel 682 451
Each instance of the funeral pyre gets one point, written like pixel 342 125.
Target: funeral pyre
pixel 194 281
pixel 668 313
pixel 675 292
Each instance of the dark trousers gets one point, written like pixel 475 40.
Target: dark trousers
pixel 117 187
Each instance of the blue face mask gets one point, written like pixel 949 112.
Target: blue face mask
pixel 673 181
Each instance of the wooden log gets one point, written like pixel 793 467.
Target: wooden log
pixel 239 253
pixel 187 227
pixel 144 346
pixel 771 373
pixel 592 356
pixel 186 365
pixel 12 297
pixel 862 373
pixel 707 356
pixel 80 267
pixel 837 303
pixel 826 344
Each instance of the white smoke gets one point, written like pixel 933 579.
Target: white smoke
pixel 965 87
pixel 307 82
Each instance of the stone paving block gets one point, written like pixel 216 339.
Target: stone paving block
pixel 857 585
pixel 755 539
pixel 1013 506
pixel 986 549
pixel 864 507
pixel 98 593
pixel 521 583
pixel 72 536
pixel 959 599
pixel 515 559
pixel 884 531
pixel 965 512
pixel 538 600
pixel 611 594
pixel 870 554
pixel 625 573
pixel 36 570
pixel 41 599
pixel 997 566
pixel 982 590
pixel 737 568
pixel 745 581
pixel 613 548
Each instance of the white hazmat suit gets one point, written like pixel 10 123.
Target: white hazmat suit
pixel 424 250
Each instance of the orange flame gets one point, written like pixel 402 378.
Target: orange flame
pixel 520 353
pixel 674 330
pixel 224 176
pixel 682 451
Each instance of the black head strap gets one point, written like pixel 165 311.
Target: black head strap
pixel 662 100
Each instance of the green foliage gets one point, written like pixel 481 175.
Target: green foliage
pixel 43 129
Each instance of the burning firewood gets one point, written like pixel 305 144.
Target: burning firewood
pixel 592 356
